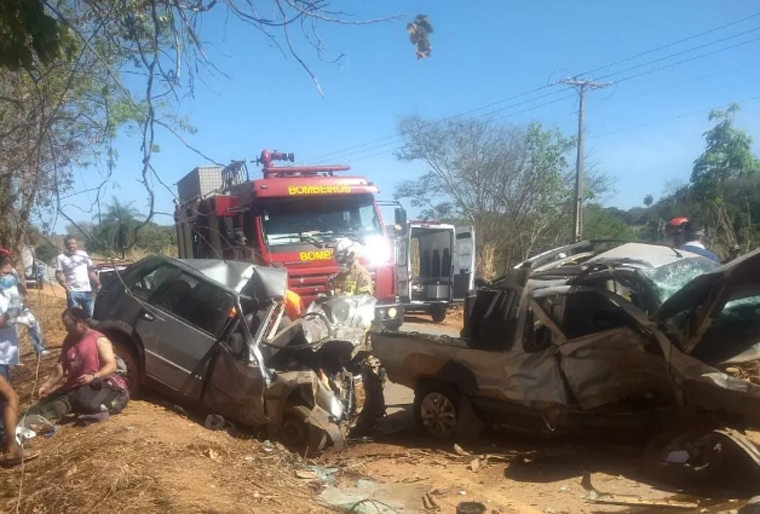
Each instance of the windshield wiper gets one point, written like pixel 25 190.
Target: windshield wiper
pixel 301 238
pixel 352 236
pixel 308 238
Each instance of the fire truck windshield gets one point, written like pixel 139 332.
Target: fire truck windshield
pixel 288 221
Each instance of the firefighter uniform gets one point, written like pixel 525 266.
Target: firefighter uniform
pixel 356 280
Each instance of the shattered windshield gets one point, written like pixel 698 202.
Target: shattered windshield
pixel 288 221
pixel 733 331
pixel 666 280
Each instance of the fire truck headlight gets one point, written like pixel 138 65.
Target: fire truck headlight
pixel 392 313
pixel 377 250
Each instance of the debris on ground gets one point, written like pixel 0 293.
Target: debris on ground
pixel 595 496
pixel 368 496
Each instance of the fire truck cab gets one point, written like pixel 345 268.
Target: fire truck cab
pixel 291 217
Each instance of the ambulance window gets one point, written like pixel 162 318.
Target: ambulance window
pixel 436 272
pixel 446 262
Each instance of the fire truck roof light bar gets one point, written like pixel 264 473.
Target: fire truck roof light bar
pixel 271 171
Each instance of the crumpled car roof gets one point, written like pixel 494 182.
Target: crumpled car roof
pixel 641 255
pixel 235 275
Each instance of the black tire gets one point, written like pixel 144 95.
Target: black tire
pixel 300 436
pixel 436 409
pixel 134 370
pixel 438 313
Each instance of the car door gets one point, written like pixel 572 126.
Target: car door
pixel 179 326
pixel 606 357
pixel 709 335
pixel 464 262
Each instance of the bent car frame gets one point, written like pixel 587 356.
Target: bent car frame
pixel 199 329
pixel 579 339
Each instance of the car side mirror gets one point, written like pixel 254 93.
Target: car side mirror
pixel 400 219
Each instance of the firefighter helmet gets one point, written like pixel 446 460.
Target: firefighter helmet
pixel 345 253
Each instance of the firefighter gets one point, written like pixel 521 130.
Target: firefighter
pixel 352 277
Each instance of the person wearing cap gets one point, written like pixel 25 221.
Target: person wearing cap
pixel 693 234
pixel 352 277
pixel 91 385
pixel 674 231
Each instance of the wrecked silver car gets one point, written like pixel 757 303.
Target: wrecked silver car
pixel 213 332
pixel 579 339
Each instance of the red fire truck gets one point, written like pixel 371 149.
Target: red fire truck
pixel 291 217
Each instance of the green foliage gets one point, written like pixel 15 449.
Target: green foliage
pixel 46 252
pixel 29 35
pixel 648 200
pixel 113 233
pixel 605 223
pixel 513 183
pixel 728 154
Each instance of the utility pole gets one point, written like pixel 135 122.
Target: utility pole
pixel 582 86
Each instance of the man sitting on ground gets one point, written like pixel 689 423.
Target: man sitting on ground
pixel 93 389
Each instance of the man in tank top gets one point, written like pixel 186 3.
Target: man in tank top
pixel 91 384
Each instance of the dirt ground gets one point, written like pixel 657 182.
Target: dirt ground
pixel 155 457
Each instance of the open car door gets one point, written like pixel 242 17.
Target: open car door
pixel 464 262
pixel 710 332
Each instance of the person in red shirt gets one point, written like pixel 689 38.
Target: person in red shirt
pixel 88 365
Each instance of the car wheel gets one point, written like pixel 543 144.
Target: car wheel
pixel 436 409
pixel 438 313
pixel 129 356
pixel 299 435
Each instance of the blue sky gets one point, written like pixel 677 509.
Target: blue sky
pixel 641 131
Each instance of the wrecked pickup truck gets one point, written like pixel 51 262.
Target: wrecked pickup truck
pixel 636 338
pixel 213 333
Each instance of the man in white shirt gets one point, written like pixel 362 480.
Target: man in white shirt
pixel 73 270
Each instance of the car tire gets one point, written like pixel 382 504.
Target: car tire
pixel 134 371
pixel 300 436
pixel 438 313
pixel 436 410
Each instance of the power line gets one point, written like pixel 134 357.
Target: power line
pixel 565 97
pixel 353 150
pixel 674 43
pixel 673 118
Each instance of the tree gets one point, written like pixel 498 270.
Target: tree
pixel 73 72
pixel 115 230
pixel 606 223
pixel 648 201
pixel 46 252
pixel 728 156
pixel 512 183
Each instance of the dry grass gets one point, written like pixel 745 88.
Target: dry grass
pixel 149 459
